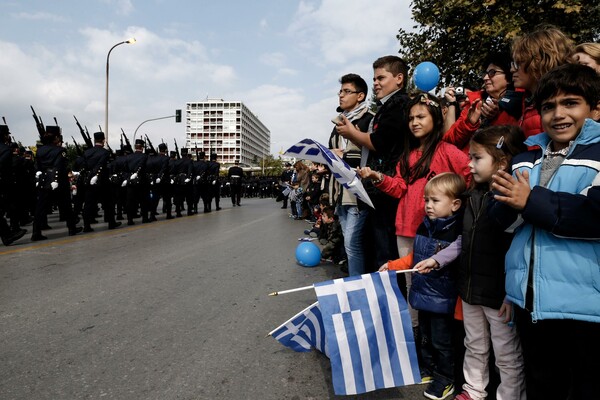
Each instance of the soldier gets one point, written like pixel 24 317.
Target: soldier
pixel 199 174
pixel 137 185
pixel 51 163
pixel 182 170
pixel 7 235
pixel 158 167
pixel 235 175
pixel 214 184
pixel 118 181
pixel 97 181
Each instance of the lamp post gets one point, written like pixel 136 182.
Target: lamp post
pixel 128 41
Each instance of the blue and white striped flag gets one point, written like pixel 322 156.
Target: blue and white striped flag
pixel 369 333
pixel 303 331
pixel 312 150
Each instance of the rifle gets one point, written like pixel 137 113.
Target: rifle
pixel 38 124
pixel 177 149
pixel 77 147
pixel 121 141
pixel 150 144
pixel 127 142
pixel 86 138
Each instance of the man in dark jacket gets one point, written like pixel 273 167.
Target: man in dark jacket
pixel 98 190
pixel 137 185
pixel 51 161
pixel 7 235
pixel 213 181
pixel 235 175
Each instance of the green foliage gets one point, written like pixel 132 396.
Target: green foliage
pixel 457 35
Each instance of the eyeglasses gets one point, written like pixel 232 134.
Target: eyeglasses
pixel 345 92
pixel 514 65
pixel 491 73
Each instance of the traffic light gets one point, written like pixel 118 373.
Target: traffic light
pixel 177 115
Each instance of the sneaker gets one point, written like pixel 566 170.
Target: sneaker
pixel 437 391
pixel 463 396
pixel 426 379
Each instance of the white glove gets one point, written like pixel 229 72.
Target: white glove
pixel 197 177
pixel 157 181
pixel 187 180
pixel 214 182
pixel 37 174
pixel 172 181
pixel 133 176
pixel 94 180
pixel 54 185
pixel 124 183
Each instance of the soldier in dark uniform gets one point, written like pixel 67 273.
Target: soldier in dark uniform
pixel 51 162
pixel 199 168
pixel 137 185
pixel 7 234
pixel 158 175
pixel 214 184
pixel 235 175
pixel 181 171
pixel 118 181
pixel 28 186
pixel 80 171
pixel 98 185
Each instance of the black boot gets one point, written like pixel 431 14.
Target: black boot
pixel 13 236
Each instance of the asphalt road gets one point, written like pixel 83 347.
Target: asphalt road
pixel 174 309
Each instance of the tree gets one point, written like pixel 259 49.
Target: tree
pixel 457 35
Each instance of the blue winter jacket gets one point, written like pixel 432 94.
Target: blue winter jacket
pixel 436 291
pixel 560 224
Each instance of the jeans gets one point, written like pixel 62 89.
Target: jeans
pixel 352 221
pixel 437 351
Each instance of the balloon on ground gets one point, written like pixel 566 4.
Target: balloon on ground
pixel 308 254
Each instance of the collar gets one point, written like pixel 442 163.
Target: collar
pixel 386 98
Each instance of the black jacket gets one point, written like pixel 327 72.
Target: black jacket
pixel 96 163
pixel 484 246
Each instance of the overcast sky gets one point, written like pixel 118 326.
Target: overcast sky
pixel 281 58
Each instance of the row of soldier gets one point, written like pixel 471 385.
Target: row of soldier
pixel 128 184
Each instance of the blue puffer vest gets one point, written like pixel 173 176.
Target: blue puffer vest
pixel 436 291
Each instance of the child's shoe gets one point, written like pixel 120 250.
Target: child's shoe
pixel 437 391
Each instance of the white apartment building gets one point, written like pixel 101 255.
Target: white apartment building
pixel 227 128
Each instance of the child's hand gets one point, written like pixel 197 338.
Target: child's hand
pixel 384 267
pixel 506 310
pixel 366 172
pixel 514 191
pixel 425 266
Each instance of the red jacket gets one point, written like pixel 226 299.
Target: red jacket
pixel 411 208
pixel 461 131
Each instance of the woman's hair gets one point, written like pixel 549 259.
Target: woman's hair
pixel 421 167
pixel 448 183
pixel 502 142
pixel 540 51
pixel 591 49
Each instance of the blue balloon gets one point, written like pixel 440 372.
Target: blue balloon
pixel 308 254
pixel 426 76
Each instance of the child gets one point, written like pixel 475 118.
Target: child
pixel 552 273
pixel 433 290
pixel 480 280
pixel 317 230
pixel 333 246
pixel 425 155
pixel 313 192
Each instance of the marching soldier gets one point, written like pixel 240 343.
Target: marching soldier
pixel 235 175
pixel 7 235
pixel 199 168
pixel 51 162
pixel 96 164
pixel 158 171
pixel 213 181
pixel 137 186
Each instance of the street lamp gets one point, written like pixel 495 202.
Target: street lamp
pixel 128 41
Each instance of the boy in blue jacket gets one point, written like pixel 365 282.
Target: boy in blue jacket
pixel 552 201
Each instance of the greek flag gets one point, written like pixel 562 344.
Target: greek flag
pixel 303 331
pixel 369 333
pixel 312 150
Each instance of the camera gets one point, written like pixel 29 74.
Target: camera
pixel 459 91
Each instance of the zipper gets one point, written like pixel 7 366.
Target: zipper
pixel 476 216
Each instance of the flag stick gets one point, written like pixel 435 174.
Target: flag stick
pixel 291 319
pixel 291 290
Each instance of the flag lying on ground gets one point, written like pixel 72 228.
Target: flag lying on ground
pixel 364 324
pixel 303 331
pixel 309 149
